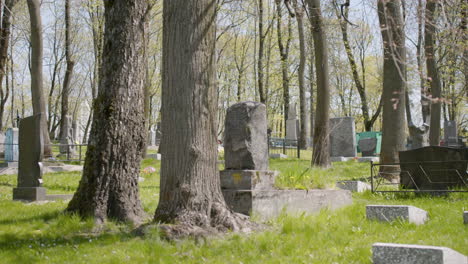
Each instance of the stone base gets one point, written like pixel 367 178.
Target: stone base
pixel 354 186
pixel 247 179
pixel 369 159
pixel 49 169
pixel 278 156
pixel 465 217
pixel 341 159
pixel 53 197
pixel 387 253
pixel 29 193
pixel 9 164
pixel 155 156
pixel 388 213
pixel 268 204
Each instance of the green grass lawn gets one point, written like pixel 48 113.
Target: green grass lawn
pixel 41 233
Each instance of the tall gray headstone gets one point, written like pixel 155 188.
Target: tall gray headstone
pixel 11 145
pixel 342 137
pixel 152 137
pixel 450 133
pixel 420 136
pixel 67 137
pixel 31 147
pixel 292 123
pixel 245 137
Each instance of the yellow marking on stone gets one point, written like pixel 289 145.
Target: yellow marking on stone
pixel 237 177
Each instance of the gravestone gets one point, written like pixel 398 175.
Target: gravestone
pixel 368 146
pixel 420 136
pixel 354 186
pixel 434 168
pixel 2 144
pixel 75 131
pixel 11 145
pixel 450 133
pixel 389 253
pixel 292 123
pixel 151 137
pixel 389 213
pixel 342 137
pixel 67 137
pixel 31 147
pixel 245 137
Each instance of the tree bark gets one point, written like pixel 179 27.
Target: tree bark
pixel 109 185
pixel 425 101
pixel 261 47
pixel 68 75
pixel 321 153
pixel 432 72
pixel 394 86
pixel 37 92
pixel 190 195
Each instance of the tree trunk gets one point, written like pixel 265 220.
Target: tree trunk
pixel 393 120
pixel 321 153
pixel 37 93
pixel 68 75
pixel 190 195
pixel 261 47
pixel 312 84
pixel 425 101
pixel 4 43
pixel 109 185
pixel 432 72
pixel 302 87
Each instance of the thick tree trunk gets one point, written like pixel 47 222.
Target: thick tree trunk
pixel 109 186
pixel 4 43
pixel 190 195
pixel 432 72
pixel 68 75
pixel 321 153
pixel 37 93
pixel 301 72
pixel 312 84
pixel 425 101
pixel 393 120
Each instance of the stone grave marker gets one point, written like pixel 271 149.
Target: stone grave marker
pixel 450 133
pixel 67 137
pixel 389 253
pixel 292 123
pixel 11 145
pixel 354 186
pixel 420 136
pixel 389 213
pixel 31 147
pixel 434 168
pixel 2 144
pixel 342 137
pixel 368 146
pixel 151 137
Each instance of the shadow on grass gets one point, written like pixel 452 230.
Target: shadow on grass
pixel 6 184
pixel 44 217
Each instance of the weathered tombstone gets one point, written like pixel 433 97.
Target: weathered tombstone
pixel 368 146
pixel 434 168
pixel 450 133
pixel 158 133
pixel 389 253
pixel 248 185
pixel 354 186
pixel 31 147
pixel 292 123
pixel 2 144
pixel 67 138
pixel 75 131
pixel 420 136
pixel 342 137
pixel 389 213
pixel 245 138
pixel 11 145
pixel 151 137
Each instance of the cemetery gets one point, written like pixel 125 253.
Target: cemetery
pixel 253 131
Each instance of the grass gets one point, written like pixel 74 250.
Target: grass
pixel 41 233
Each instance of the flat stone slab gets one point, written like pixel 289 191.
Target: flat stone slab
pixel 247 179
pixel 278 156
pixel 267 204
pixel 389 213
pixel 341 159
pixel 465 217
pixel 387 253
pixel 155 156
pixel 369 159
pixel 29 193
pixel 63 168
pixel 53 197
pixel 354 186
pixel 12 164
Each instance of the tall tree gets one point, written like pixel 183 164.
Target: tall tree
pixel 432 72
pixel 261 48
pixel 393 119
pixel 109 185
pixel 190 195
pixel 425 101
pixel 37 93
pixel 68 75
pixel 321 141
pixel 4 43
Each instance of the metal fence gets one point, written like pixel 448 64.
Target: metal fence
pixel 423 176
pixel 60 152
pixel 288 147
